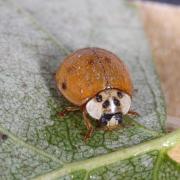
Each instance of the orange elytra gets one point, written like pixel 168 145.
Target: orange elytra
pixel 98 83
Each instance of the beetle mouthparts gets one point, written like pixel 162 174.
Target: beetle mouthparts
pixel 107 117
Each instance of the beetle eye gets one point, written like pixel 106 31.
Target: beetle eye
pixel 98 98
pixel 120 94
pixel 105 104
pixel 116 102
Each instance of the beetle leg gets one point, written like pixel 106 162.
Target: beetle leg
pixel 88 125
pixel 133 113
pixel 67 110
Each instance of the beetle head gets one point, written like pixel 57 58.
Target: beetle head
pixel 108 106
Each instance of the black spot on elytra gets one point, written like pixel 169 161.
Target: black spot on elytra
pixel 64 85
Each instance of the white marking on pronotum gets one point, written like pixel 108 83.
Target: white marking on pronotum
pixel 94 109
pixel 112 106
pixel 125 103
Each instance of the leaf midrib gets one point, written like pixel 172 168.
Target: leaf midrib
pixel 162 143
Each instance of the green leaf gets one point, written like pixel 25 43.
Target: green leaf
pixel 38 141
pixel 111 25
pixel 144 161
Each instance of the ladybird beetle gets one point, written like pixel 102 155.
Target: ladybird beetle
pixel 99 84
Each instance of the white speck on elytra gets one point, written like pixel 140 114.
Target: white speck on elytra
pixel 81 91
pixel 79 56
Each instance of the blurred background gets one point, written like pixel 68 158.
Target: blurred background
pixel 161 21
